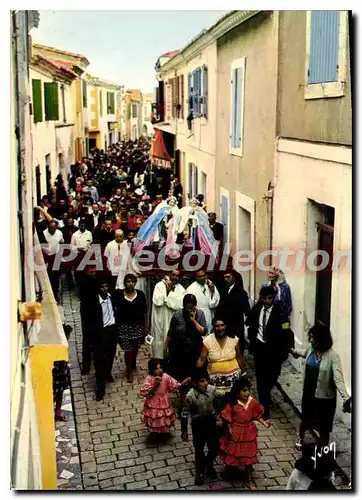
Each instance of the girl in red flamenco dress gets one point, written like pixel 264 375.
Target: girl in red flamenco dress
pixel 158 413
pixel 238 446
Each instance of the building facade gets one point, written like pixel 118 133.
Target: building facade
pixel 58 120
pixel 147 128
pixel 103 101
pixel 186 82
pixel 313 177
pixel 37 336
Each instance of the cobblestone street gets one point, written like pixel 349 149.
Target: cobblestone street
pixel 112 444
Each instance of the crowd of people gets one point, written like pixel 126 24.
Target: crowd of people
pixel 197 329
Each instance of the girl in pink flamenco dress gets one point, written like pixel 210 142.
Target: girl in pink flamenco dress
pixel 239 446
pixel 158 414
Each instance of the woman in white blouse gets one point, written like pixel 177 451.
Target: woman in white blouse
pixel 225 362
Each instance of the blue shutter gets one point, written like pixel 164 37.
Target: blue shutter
pixel 324 42
pixel 199 73
pixel 196 187
pixel 204 91
pixel 225 215
pixel 189 85
pixel 194 86
pixel 238 89
pixel 190 180
pixel 233 107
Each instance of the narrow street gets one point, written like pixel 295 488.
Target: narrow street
pixel 112 444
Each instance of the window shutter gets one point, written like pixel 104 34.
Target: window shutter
pixel 112 103
pixel 238 88
pixel 225 215
pixel 177 110
pixel 51 101
pixel 196 186
pixel 182 96
pixel 100 103
pixel 233 107
pixel 203 184
pixel 37 101
pixel 204 91
pixel 189 85
pixel 195 92
pixel 324 45
pixel 190 181
pixel 84 83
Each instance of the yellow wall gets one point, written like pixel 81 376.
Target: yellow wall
pixel 42 362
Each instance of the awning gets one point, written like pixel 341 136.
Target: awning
pixel 159 155
pixel 165 127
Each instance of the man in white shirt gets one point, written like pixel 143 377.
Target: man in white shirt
pixel 117 253
pixel 167 299
pixel 54 238
pixel 82 239
pixel 207 296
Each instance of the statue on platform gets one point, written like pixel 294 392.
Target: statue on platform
pixel 194 221
pixel 159 227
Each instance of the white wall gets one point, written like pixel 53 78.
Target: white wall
pixel 44 139
pixel 27 462
pixel 323 174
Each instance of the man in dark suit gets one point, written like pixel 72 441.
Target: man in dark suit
pixel 102 316
pixel 269 342
pixel 234 304
pixel 216 227
pixel 95 219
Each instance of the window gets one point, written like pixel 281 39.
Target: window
pixel 100 103
pixel 110 103
pixel 84 88
pixel 134 110
pixel 237 85
pixel 326 54
pixel 197 80
pixel 51 101
pixel 37 101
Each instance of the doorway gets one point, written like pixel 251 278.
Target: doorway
pixel 324 276
pixel 244 242
pixel 48 173
pixel 92 143
pixel 38 183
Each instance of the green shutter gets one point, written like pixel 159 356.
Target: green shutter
pixel 112 103
pixel 84 83
pixel 37 101
pixel 100 103
pixel 51 101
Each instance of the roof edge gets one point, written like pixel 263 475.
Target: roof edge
pixel 226 23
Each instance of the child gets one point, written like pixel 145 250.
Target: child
pixel 158 413
pixel 238 447
pixel 200 404
pixel 61 381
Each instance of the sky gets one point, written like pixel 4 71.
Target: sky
pixel 122 46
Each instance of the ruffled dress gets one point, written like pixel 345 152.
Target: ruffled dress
pixel 158 414
pixel 242 448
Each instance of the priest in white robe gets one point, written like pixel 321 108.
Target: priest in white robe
pixel 167 298
pixel 207 296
